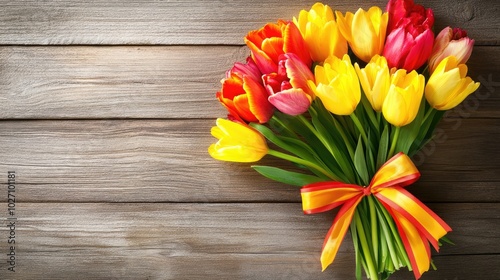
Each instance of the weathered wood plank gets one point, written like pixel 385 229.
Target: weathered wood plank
pixel 64 22
pixel 155 82
pixel 167 160
pixel 238 241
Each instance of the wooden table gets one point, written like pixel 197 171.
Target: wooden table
pixel 106 108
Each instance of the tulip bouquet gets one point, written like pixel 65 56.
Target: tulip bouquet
pixel 349 98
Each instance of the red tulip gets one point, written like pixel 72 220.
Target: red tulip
pixel 243 94
pixel 410 40
pixel 272 40
pixel 400 10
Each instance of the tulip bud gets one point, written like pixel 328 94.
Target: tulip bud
pixel 449 85
pixel 375 80
pixel 410 38
pixel 237 142
pixel 337 85
pixel 403 99
pixel 321 32
pixel 365 31
pixel 451 42
pixel 243 96
pixel 271 41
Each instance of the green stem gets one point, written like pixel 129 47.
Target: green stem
pixel 360 127
pixel 347 141
pixel 302 162
pixel 370 112
pixel 395 233
pixel 372 271
pixel 328 146
pixel 387 234
pixel 394 140
pixel 283 125
pixel 428 114
pixel 373 226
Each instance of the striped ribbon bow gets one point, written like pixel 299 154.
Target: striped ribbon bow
pixel 416 223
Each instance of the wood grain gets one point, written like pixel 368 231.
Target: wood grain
pixel 194 241
pixel 156 82
pixel 167 161
pixel 151 22
pixel 105 111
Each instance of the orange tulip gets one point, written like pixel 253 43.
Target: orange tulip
pixel 243 94
pixel 272 40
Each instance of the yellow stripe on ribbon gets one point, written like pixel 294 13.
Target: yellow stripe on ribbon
pixel 417 224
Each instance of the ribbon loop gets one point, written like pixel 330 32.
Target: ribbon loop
pixel 417 224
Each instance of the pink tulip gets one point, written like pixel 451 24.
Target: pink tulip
pixel 451 42
pixel 287 88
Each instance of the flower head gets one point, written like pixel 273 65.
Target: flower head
pixel 243 94
pixel 288 89
pixel 403 11
pixel 321 32
pixel 403 99
pixel 365 31
pixel 375 80
pixel 271 41
pixel 451 42
pixel 410 38
pixel 337 85
pixel 237 142
pixel 449 84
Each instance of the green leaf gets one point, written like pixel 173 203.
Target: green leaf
pixel 287 177
pixel 383 147
pixel 280 127
pixel 360 162
pixel 370 158
pixel 426 131
pixel 445 239
pixel 340 155
pixel 312 141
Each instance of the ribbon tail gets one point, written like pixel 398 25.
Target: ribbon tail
pixel 337 231
pixel 424 219
pixel 415 243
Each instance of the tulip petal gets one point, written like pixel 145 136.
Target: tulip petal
pixel 294 43
pixel 395 108
pixel 298 73
pixel 397 46
pixel 258 104
pixel 273 48
pixel 264 62
pixel 292 102
pixel 243 108
pixel 420 51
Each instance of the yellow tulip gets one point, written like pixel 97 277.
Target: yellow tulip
pixel 237 142
pixel 448 84
pixel 403 98
pixel 321 32
pixel 375 80
pixel 337 85
pixel 365 31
